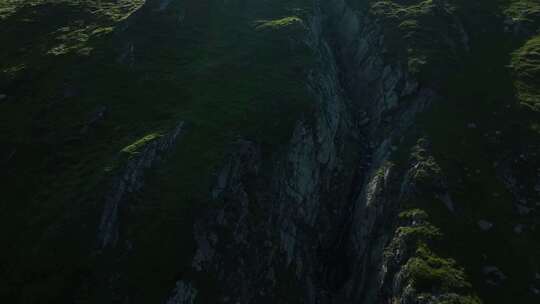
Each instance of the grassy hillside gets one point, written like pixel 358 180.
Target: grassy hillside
pixel 486 117
pixel 240 75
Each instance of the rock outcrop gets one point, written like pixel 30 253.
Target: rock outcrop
pixel 130 179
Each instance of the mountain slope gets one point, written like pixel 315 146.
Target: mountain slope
pixel 340 151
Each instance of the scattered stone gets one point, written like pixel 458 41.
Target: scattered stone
pixel 163 4
pixel 3 97
pixel 447 200
pixel 537 276
pixel 518 229
pixel 129 245
pixel 9 155
pixel 535 290
pixel 184 293
pixel 523 210
pixel 364 122
pixel 494 276
pixel 472 125
pixel 485 225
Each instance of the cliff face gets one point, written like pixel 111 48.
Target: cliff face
pixel 272 152
pixel 330 208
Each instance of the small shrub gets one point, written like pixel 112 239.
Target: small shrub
pixel 429 271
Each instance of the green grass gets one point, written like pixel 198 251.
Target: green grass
pixel 486 89
pixel 34 30
pixel 526 67
pixel 135 147
pixel 227 79
pixel 419 34
pixel 110 9
pixel 526 11
pixel 429 271
pixel 287 22
pixel 425 269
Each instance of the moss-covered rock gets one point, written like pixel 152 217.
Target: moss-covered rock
pixel 423 276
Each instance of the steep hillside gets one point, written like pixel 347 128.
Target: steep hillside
pixel 300 151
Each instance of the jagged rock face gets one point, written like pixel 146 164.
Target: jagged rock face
pixel 129 180
pixel 328 213
pixel 183 294
pixel 334 243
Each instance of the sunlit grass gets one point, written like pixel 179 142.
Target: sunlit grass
pixel 526 66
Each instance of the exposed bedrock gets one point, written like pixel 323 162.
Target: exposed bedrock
pixel 325 212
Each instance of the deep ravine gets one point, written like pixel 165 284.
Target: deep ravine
pixel 334 197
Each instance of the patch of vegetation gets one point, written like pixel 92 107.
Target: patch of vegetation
pixel 475 124
pixel 135 147
pixel 291 21
pixel 429 271
pixel 526 68
pixel 413 214
pixel 422 34
pixel 115 10
pixel 35 30
pixel 419 232
pixel 76 39
pixel 524 11
pixel 427 172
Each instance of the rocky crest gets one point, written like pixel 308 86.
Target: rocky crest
pixel 129 180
